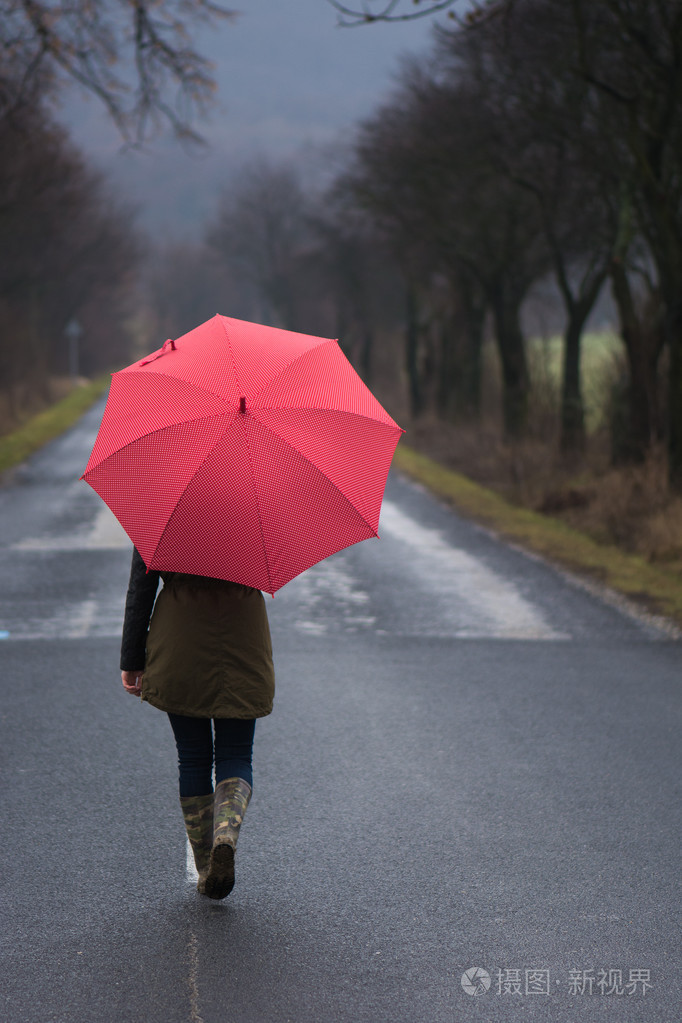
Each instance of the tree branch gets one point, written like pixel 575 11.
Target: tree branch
pixel 93 44
pixel 351 16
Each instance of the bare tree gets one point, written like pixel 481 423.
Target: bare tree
pixel 634 62
pixel 426 169
pixel 186 283
pixel 128 53
pixel 351 267
pixel 260 232
pixel 67 244
pixel 547 139
pixel 67 248
pixel 629 54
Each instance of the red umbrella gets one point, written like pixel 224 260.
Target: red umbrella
pixel 242 452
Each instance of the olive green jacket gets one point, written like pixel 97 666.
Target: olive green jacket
pixel 204 644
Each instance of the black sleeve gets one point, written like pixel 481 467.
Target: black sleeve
pixel 139 605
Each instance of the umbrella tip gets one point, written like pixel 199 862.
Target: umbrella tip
pixel 242 404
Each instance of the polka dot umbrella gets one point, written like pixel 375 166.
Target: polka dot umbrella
pixel 242 452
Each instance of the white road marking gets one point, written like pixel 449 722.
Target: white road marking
pixel 466 598
pixel 86 618
pixel 475 602
pixel 105 533
pixel 190 867
pixel 89 617
pixel 193 979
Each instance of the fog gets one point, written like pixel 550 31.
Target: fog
pixel 291 85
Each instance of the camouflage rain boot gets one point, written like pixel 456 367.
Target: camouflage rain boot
pixel 232 797
pixel 198 814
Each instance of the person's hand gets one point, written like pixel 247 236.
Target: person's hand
pixel 132 681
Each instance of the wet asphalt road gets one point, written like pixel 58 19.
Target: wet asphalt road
pixel 472 764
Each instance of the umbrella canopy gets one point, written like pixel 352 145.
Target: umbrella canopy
pixel 242 452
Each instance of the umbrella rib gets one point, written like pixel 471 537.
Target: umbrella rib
pixel 302 355
pixel 229 346
pixel 321 473
pixel 188 482
pixel 287 367
pixel 191 480
pixel 327 408
pixel 160 429
pixel 184 382
pixel 260 517
pixel 318 408
pixel 256 396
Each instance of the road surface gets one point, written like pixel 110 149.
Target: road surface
pixel 466 802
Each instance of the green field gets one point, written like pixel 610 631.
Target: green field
pixel 602 354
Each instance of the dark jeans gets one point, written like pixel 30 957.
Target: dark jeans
pixel 198 750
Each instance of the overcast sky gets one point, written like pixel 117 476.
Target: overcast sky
pixel 292 84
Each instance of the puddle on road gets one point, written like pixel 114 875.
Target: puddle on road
pixel 458 595
pixel 325 598
pixel 471 601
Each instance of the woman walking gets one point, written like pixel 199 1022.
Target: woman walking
pixel 201 652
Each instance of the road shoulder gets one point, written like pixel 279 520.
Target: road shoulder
pixel 651 589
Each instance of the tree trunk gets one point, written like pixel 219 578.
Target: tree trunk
pixel 474 312
pixel 665 238
pixel 674 338
pixel 572 441
pixel 416 391
pixel 458 393
pixel 642 353
pixel 515 380
pixel 37 376
pixel 449 389
pixel 366 349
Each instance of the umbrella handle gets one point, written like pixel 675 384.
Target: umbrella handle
pixel 161 351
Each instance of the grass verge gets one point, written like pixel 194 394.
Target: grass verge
pixel 18 445
pixel 651 586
